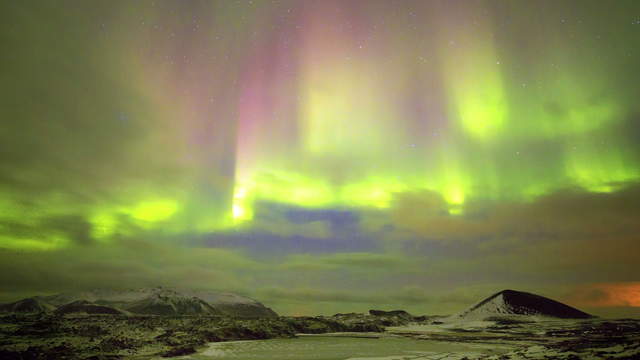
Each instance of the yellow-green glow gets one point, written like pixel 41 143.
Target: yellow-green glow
pixel 107 221
pixel 599 169
pixel 533 191
pixel 155 210
pixel 473 79
pixel 341 112
pixel 376 193
pixel 454 194
pixel 241 207
pixel 588 117
pixel 483 116
pixel 103 225
pixel 293 188
pixel 51 242
pixel 346 105
pixel 282 187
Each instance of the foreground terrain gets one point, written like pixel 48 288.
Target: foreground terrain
pixel 159 323
pixel 533 338
pixel 343 336
pixel 54 336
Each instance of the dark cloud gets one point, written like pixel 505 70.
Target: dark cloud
pixel 312 295
pixel 122 265
pixel 280 229
pixel 339 219
pixel 266 244
pixel 567 214
pixel 76 228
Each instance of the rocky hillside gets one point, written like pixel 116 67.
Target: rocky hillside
pixel 85 307
pixel 145 301
pixel 511 302
pixel 95 336
pixel 30 305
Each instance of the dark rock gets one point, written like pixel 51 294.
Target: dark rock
pixel 112 344
pixel 398 313
pixel 346 314
pixel 504 320
pixel 179 351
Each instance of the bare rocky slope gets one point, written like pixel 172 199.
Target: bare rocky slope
pixel 85 307
pixel 511 302
pixel 29 305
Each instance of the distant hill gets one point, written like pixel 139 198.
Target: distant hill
pixel 511 302
pixel 170 302
pixel 398 313
pixel 85 307
pixel 148 301
pixel 29 305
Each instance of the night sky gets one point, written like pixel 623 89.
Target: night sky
pixel 323 156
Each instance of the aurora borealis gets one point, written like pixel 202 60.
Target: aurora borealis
pixel 323 155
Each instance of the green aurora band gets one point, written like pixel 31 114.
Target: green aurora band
pixel 335 104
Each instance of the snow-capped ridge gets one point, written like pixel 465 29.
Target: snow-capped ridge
pixel 147 301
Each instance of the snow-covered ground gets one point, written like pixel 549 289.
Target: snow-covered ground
pixel 338 347
pixel 507 338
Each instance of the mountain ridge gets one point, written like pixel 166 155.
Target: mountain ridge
pixel 146 301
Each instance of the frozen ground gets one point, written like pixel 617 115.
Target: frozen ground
pixel 117 336
pixel 340 337
pixel 500 339
pixel 339 347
